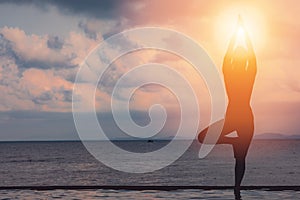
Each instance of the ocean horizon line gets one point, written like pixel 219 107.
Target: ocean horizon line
pixel 153 187
pixel 133 140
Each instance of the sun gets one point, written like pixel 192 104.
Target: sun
pixel 254 23
pixel 240 40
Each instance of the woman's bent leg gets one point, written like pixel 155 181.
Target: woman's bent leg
pixel 227 128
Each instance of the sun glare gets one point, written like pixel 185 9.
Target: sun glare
pixel 240 37
pixel 226 23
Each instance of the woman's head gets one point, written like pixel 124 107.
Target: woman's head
pixel 240 56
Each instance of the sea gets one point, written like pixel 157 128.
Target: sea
pixel 68 163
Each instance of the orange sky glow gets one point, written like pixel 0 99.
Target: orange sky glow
pixel 39 60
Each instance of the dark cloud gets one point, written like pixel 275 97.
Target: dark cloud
pixel 48 96
pixel 117 28
pixel 43 98
pixel 67 74
pixel 90 33
pixel 34 64
pixel 67 95
pixel 6 48
pixel 136 12
pixel 93 28
pixel 90 8
pixel 42 64
pixel 54 42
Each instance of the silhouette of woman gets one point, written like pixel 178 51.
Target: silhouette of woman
pixel 239 70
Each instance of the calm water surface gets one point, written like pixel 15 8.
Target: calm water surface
pixel 270 162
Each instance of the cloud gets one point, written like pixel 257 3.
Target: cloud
pixel 33 50
pixel 54 42
pixel 45 51
pixel 6 48
pixel 97 29
pixel 43 98
pixel 47 91
pixel 89 29
pixel 33 89
pixel 79 46
pixel 37 71
pixel 105 9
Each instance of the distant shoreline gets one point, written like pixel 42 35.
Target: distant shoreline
pixel 126 140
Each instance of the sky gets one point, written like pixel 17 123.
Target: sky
pixel 43 43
